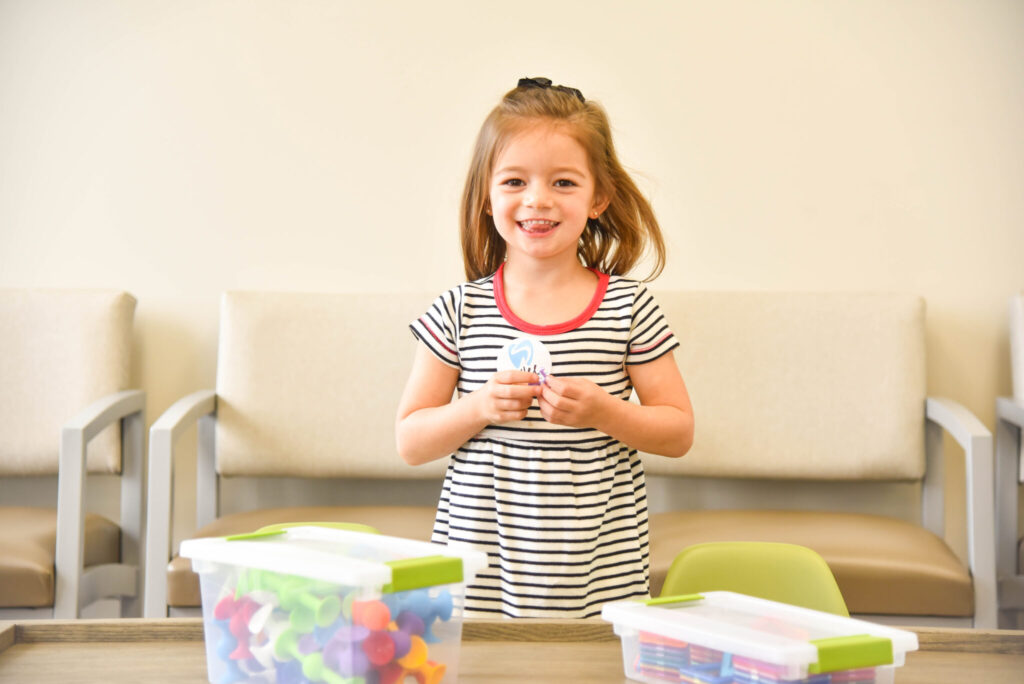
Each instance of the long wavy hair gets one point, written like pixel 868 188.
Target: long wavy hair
pixel 612 243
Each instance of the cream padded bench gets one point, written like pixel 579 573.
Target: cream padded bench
pixel 66 410
pixel 830 387
pixel 307 388
pixel 795 387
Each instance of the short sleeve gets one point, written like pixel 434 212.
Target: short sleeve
pixel 650 336
pixel 438 329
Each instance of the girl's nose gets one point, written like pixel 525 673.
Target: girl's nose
pixel 537 197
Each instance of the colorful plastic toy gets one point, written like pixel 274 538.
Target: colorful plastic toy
pixel 378 622
pixel 334 638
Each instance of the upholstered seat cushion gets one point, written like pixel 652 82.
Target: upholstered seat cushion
pixel 28 540
pixel 883 566
pixel 411 522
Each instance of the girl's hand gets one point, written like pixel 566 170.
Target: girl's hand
pixel 576 402
pixel 507 396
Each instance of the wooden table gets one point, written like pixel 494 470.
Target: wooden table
pixel 493 651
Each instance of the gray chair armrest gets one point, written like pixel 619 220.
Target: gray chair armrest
pixel 162 435
pixel 1009 472
pixel 1011 411
pixel 976 441
pixel 75 435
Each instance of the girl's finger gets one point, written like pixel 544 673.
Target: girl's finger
pixel 557 384
pixel 562 387
pixel 514 405
pixel 515 377
pixel 555 399
pixel 508 416
pixel 519 392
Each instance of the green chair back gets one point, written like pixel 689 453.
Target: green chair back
pixel 787 573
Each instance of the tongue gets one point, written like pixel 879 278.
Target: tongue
pixel 538 228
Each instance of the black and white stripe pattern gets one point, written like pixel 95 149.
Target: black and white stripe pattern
pixel 561 512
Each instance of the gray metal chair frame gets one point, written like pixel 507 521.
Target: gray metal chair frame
pixel 77 587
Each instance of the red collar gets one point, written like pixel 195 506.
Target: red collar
pixel 556 328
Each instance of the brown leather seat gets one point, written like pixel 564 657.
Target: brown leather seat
pixel 883 566
pixel 28 539
pixel 411 522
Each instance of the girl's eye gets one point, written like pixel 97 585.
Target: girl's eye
pixel 564 183
pixel 514 182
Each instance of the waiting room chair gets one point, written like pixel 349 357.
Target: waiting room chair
pixel 787 573
pixel 806 390
pixel 1009 476
pixel 65 412
pixel 307 388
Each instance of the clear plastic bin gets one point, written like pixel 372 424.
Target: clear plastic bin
pixel 720 637
pixel 328 605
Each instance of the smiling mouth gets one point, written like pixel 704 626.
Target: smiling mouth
pixel 537 226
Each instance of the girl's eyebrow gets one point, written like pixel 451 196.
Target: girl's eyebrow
pixel 556 171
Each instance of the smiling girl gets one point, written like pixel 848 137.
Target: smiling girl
pixel 544 473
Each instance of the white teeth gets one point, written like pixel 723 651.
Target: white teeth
pixel 536 223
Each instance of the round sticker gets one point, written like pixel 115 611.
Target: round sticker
pixel 525 354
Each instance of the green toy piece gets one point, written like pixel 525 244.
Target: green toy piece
pixel 307 608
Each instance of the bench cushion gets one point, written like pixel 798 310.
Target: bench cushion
pixel 883 566
pixel 411 522
pixel 28 542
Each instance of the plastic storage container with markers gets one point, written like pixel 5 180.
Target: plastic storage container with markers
pixel 329 605
pixel 720 637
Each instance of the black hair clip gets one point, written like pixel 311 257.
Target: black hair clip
pixel 541 82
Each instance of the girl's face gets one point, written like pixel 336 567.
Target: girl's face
pixel 542 193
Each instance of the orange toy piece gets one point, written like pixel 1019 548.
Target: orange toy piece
pixel 417 655
pixel 430 673
pixel 374 615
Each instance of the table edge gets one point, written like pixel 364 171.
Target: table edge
pixel 127 630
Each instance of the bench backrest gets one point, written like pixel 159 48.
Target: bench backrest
pixel 822 386
pixel 785 386
pixel 60 350
pixel 308 384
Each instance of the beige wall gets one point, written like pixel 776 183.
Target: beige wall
pixel 177 149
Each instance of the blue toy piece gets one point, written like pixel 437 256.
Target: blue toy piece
pixel 290 673
pixel 225 646
pixel 440 609
pixel 427 609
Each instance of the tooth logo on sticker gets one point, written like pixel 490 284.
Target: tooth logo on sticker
pixel 525 354
pixel 520 353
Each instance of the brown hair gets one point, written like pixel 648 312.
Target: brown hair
pixel 615 241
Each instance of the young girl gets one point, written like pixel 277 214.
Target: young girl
pixel 544 473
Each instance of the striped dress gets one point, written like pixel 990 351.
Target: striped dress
pixel 560 511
